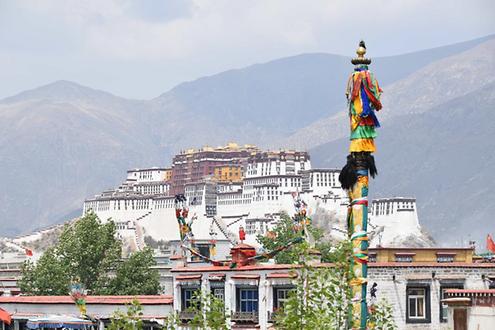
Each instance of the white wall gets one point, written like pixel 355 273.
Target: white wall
pixel 481 317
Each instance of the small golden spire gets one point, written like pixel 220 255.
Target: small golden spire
pixel 361 51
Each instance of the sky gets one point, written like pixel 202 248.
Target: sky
pixel 142 48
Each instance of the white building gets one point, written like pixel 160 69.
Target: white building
pixel 153 174
pixel 142 208
pixel 394 222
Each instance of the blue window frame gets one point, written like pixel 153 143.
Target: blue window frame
pixel 247 299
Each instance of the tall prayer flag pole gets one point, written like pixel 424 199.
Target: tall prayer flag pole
pixel 363 96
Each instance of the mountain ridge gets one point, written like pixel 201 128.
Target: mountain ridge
pixel 63 146
pixel 409 94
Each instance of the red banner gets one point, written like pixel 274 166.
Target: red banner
pixel 490 244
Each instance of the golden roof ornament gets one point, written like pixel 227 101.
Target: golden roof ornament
pixel 361 51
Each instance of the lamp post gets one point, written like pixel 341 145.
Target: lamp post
pixel 363 96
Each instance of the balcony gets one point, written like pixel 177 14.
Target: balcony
pixel 244 317
pixel 186 316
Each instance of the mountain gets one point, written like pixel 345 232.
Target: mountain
pixel 268 102
pixel 64 142
pixel 445 157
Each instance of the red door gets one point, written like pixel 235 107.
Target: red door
pixel 460 319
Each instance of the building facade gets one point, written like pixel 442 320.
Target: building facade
pixel 415 287
pixel 143 206
pixel 470 309
pixel 191 166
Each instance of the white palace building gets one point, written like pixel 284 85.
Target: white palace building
pixel 143 207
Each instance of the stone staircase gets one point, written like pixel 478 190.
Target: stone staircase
pixel 138 232
pixel 223 227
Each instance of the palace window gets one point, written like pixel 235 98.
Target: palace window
pixel 418 304
pixel 247 299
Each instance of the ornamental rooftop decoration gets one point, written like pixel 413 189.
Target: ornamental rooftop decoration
pixel 361 51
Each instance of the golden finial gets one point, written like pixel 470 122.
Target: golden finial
pixel 361 51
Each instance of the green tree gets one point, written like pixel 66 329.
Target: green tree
pixel 49 276
pixel 88 252
pixel 281 235
pixel 321 298
pixel 136 276
pixel 381 316
pixel 130 320
pixel 284 232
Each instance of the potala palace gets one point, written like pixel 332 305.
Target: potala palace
pixel 232 186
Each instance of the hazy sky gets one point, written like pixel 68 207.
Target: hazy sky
pixel 142 48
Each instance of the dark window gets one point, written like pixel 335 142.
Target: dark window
pixel 445 258
pixel 187 295
pixel 443 307
pixel 491 284
pixel 247 299
pixel 218 289
pixel 218 293
pixel 280 296
pixel 404 257
pixel 418 304
pixel 203 249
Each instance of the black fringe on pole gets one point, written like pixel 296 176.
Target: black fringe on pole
pixel 370 160
pixel 348 176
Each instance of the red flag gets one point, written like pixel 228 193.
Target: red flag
pixel 490 244
pixel 5 316
pixel 29 252
pixel 242 234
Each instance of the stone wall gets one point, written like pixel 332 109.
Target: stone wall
pixel 394 291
